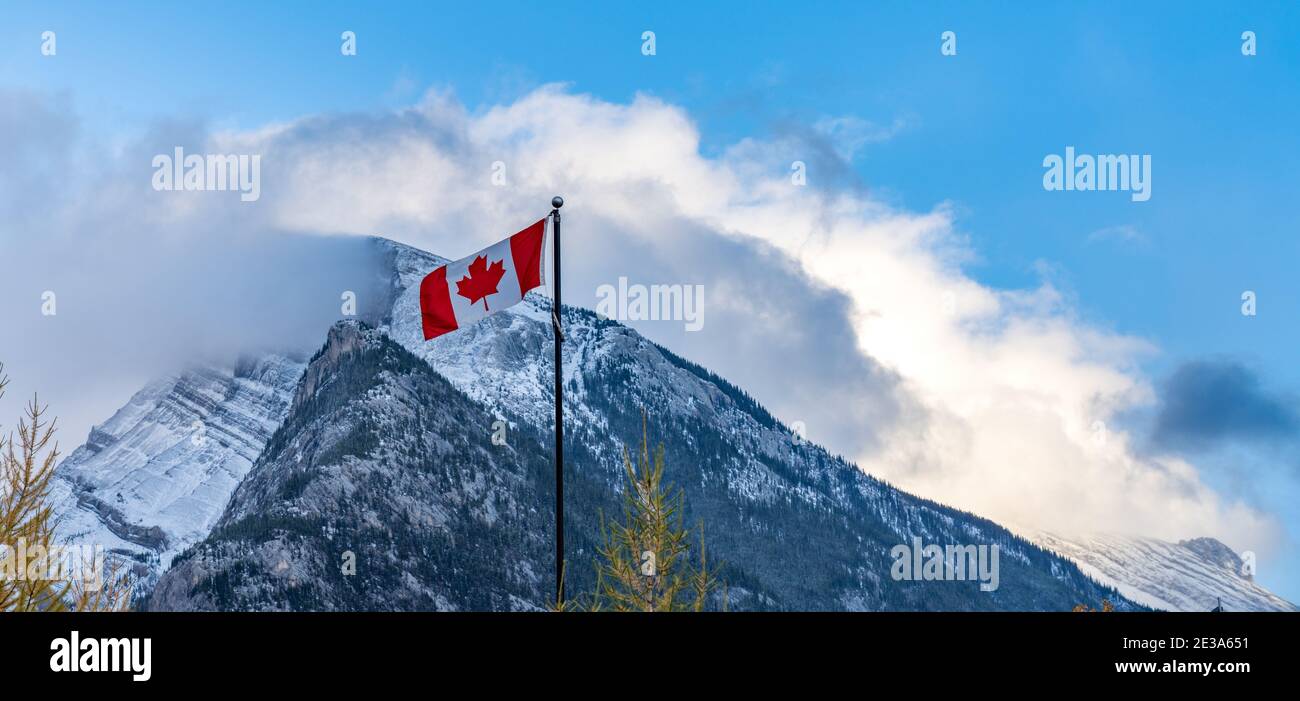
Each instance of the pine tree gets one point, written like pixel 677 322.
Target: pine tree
pixel 26 517
pixel 645 562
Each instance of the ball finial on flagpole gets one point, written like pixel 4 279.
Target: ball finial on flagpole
pixel 557 202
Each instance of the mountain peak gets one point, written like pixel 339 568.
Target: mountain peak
pixel 401 249
pixel 1214 551
pixel 1190 575
pixel 345 336
pixel 383 489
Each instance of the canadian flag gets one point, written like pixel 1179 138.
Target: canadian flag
pixel 460 293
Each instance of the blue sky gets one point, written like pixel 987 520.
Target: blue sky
pixel 1026 82
pixel 971 130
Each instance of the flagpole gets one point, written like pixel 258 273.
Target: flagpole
pixel 556 203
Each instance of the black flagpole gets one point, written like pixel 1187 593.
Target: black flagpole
pixel 558 202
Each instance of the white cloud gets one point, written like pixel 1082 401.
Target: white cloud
pixel 850 134
pixel 1123 234
pixel 831 307
pixel 997 394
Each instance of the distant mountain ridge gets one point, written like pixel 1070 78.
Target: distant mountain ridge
pixel 1190 575
pixel 155 477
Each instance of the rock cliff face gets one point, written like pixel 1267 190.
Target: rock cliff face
pixel 155 477
pixel 382 490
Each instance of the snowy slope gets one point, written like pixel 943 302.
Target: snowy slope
pixel 611 372
pixel 155 477
pixel 383 458
pixel 143 485
pixel 1190 575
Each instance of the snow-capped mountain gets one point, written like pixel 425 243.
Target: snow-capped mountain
pixel 796 527
pixel 1190 575
pixel 384 466
pixel 154 478
pixel 382 490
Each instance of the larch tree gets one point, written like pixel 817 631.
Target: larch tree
pixel 645 562
pixel 27 526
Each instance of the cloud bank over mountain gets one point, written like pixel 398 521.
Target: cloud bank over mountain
pixel 840 312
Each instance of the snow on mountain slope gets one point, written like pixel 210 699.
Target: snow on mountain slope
pixel 143 485
pixel 382 458
pixel 493 373
pixel 1190 575
pixel 733 455
pixel 155 477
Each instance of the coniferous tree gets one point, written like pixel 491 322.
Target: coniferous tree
pixel 645 562
pixel 26 517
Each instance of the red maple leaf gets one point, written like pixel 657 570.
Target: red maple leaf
pixel 481 281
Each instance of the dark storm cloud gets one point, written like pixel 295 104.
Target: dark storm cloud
pixel 767 327
pixel 1207 402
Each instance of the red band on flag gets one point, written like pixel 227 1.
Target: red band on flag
pixel 436 311
pixel 526 249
